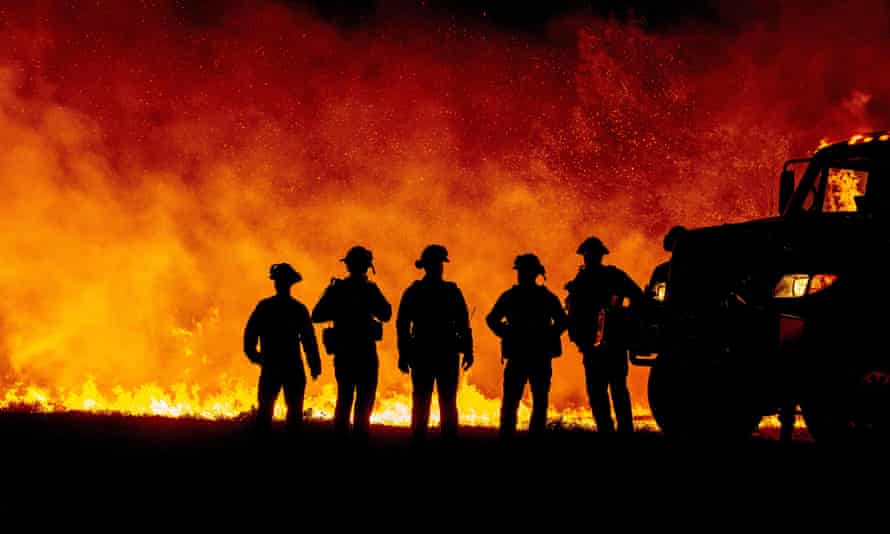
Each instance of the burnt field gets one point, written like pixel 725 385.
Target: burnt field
pixel 186 464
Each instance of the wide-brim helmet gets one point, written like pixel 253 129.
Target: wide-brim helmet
pixel 592 245
pixel 432 254
pixel 284 272
pixel 358 256
pixel 672 236
pixel 529 262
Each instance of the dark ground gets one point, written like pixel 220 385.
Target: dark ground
pixel 109 464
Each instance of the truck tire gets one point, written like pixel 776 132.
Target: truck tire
pixel 663 406
pixel 691 402
pixel 847 408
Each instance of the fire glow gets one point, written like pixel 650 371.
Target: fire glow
pixel 187 401
pixel 156 162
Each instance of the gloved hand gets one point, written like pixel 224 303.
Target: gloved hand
pixel 468 361
pixel 255 357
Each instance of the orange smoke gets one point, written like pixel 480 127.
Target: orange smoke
pixel 157 159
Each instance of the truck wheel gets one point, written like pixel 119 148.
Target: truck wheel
pixel 850 409
pixel 693 403
pixel 663 401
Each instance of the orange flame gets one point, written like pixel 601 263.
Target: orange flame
pixel 183 400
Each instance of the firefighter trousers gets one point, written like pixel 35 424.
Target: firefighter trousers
pixel 442 372
pixel 606 372
pixel 535 371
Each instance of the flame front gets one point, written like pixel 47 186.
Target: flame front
pixel 183 400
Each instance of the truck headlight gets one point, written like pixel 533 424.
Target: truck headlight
pixel 798 285
pixel 660 290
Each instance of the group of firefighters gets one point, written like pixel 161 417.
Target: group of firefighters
pixel 435 341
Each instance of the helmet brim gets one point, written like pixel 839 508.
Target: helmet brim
pixel 292 278
pixel 421 263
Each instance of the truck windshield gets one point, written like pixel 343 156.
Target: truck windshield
pixel 833 189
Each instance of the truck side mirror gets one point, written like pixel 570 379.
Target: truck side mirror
pixel 786 189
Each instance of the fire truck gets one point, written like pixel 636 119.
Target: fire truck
pixel 783 312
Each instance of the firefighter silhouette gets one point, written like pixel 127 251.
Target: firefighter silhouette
pixel 281 324
pixel 433 330
pixel 357 309
pixel 661 271
pixel 598 301
pixel 530 320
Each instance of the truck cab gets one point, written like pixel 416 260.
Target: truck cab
pixel 786 311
